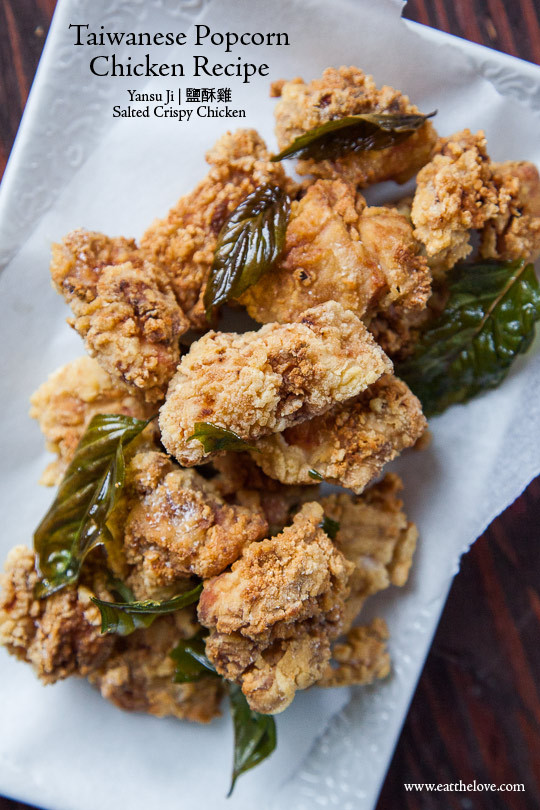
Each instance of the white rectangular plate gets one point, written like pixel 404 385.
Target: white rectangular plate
pixel 64 747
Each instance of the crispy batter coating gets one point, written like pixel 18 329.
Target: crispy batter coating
pixel 455 193
pixel 66 402
pixel 375 535
pixel 338 93
pixel 350 444
pixel 178 525
pixel 124 308
pixel 362 658
pixel 139 676
pixel 261 382
pixel 273 615
pixel 515 233
pixel 58 636
pixel 339 249
pixel 184 242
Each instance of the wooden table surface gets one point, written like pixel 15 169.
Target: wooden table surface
pixel 476 711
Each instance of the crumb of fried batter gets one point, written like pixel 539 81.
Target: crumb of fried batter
pixel 59 636
pixel 350 444
pixel 177 525
pixel 361 659
pixel 456 193
pixel 124 308
pixel 376 536
pixel 273 615
pixel 339 249
pixel 259 383
pixel 138 676
pixel 183 243
pixel 342 92
pixel 515 232
pixel 66 402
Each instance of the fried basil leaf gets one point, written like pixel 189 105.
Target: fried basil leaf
pixel 248 245
pixel 331 527
pixel 77 521
pixel 125 617
pixel 315 475
pixel 191 661
pixel 214 438
pixel 354 133
pixel 254 735
pixel 488 321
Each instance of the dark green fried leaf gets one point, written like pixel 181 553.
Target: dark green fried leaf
pixel 125 617
pixel 248 245
pixel 191 661
pixel 77 521
pixel 214 438
pixel 254 735
pixel 489 319
pixel 331 527
pixel 315 475
pixel 354 133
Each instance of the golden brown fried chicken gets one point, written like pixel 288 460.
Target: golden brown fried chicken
pixel 58 636
pixel 67 401
pixel 139 676
pixel 456 193
pixel 397 331
pixel 375 535
pixel 350 444
pixel 261 382
pixel 61 636
pixel 515 232
pixel 184 242
pixel 362 658
pixel 124 308
pixel 240 478
pixel 338 93
pixel 273 615
pixel 177 525
pixel 339 249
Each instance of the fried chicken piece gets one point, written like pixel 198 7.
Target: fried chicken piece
pixel 239 477
pixel 362 658
pixel 397 331
pixel 273 615
pixel 455 193
pixel 375 535
pixel 66 402
pixel 339 249
pixel 139 676
pixel 59 636
pixel 350 444
pixel 178 525
pixel 184 242
pixel 124 308
pixel 337 94
pixel 515 233
pixel 261 382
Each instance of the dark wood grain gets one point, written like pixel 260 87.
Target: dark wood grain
pixel 23 29
pixel 476 711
